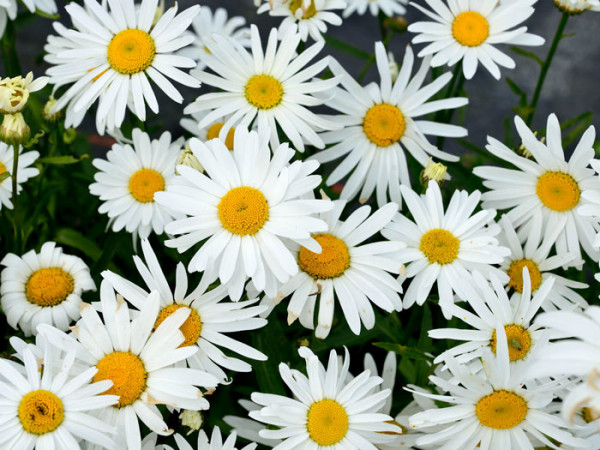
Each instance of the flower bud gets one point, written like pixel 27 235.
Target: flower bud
pixel 48 114
pixel 399 24
pixel 14 130
pixel 187 158
pixel 577 6
pixel 433 172
pixel 191 419
pixel 14 92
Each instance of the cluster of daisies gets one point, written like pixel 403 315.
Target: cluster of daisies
pixel 247 200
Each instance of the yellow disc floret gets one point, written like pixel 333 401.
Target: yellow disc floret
pixel 327 422
pixel 128 374
pixel 243 210
pixel 439 246
pixel 501 410
pixel 558 191
pixel 49 287
pixel 384 124
pixel 2 168
pixel 131 51
pixel 191 328
pixel 332 262
pixel 264 91
pixel 144 183
pixel 518 339
pixel 215 129
pixel 40 412
pixel 515 272
pixel 470 29
pixel 307 12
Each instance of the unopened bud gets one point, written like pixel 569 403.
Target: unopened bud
pixel 14 92
pixel 433 172
pixel 48 114
pixel 399 24
pixel 14 130
pixel 191 419
pixel 187 158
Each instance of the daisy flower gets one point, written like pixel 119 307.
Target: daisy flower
pixel 138 361
pixel 209 320
pixel 577 6
pixel 547 186
pixel 388 7
pixel 127 182
pixel 25 171
pixel 591 207
pixel 246 206
pixel 110 55
pixel 470 31
pixel 43 287
pixel 381 123
pixel 326 411
pixel 14 92
pixel 444 248
pixel 210 131
pixel 271 87
pixel 214 443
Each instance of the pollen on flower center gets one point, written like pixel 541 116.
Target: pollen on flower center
pixel 191 328
pixel 501 410
pixel 243 210
pixel 40 412
pixel 264 91
pixel 519 342
pixel 327 422
pixel 49 287
pixel 131 51
pixel 558 191
pixel 307 13
pixel 515 272
pixel 470 29
pixel 128 374
pixel 215 129
pixel 144 183
pixel 439 246
pixel 2 168
pixel 384 124
pixel 332 262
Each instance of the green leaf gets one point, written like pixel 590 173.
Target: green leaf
pixel 345 47
pixel 73 238
pixel 62 160
pixel 527 54
pixel 4 176
pixel 408 352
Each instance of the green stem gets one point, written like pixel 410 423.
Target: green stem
pixel 14 174
pixel 10 56
pixel 547 62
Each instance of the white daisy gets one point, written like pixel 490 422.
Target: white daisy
pixel 214 443
pixel 210 319
pixel 548 187
pixel 139 362
pixel 14 92
pixel 444 248
pixel 8 11
pixel 577 6
pixel 591 207
pixel 127 182
pixel 43 287
pixel 271 87
pixel 469 30
pixel 388 7
pixel 248 207
pixel 209 131
pixel 249 429
pixel 111 55
pixel 380 122
pixel 24 171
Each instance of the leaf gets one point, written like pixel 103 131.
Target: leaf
pixel 407 352
pixel 73 238
pixel 345 47
pixel 4 176
pixel 62 160
pixel 527 54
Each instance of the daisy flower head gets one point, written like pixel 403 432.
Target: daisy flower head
pixel 209 131
pixel 210 318
pixel 381 123
pixel 111 55
pixel 577 6
pixel 214 443
pixel 14 92
pixel 274 87
pixel 245 206
pixel 25 171
pixel 43 287
pixel 128 179
pixel 547 187
pixel 327 410
pixel 444 248
pixel 388 7
pixel 470 30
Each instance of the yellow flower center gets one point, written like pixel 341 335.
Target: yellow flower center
pixel 243 210
pixel 501 410
pixel 470 29
pixel 519 342
pixel 515 272
pixel 2 168
pixel 439 246
pixel 41 412
pixel 327 422
pixel 191 328
pixel 264 91
pixel 590 414
pixel 127 373
pixel 308 13
pixel 215 129
pixel 332 262
pixel 558 191
pixel 144 183
pixel 384 124
pixel 131 51
pixel 49 287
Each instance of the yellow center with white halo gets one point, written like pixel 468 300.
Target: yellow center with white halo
pixel 215 129
pixel 131 51
pixel 243 210
pixel 470 29
pixel 518 339
pixel 144 183
pixel 128 374
pixel 332 262
pixel 264 91
pixel 501 410
pixel 327 422
pixel 40 412
pixel 515 272
pixel 439 246
pixel 308 13
pixel 49 286
pixel 558 191
pixel 384 124
pixel 191 328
